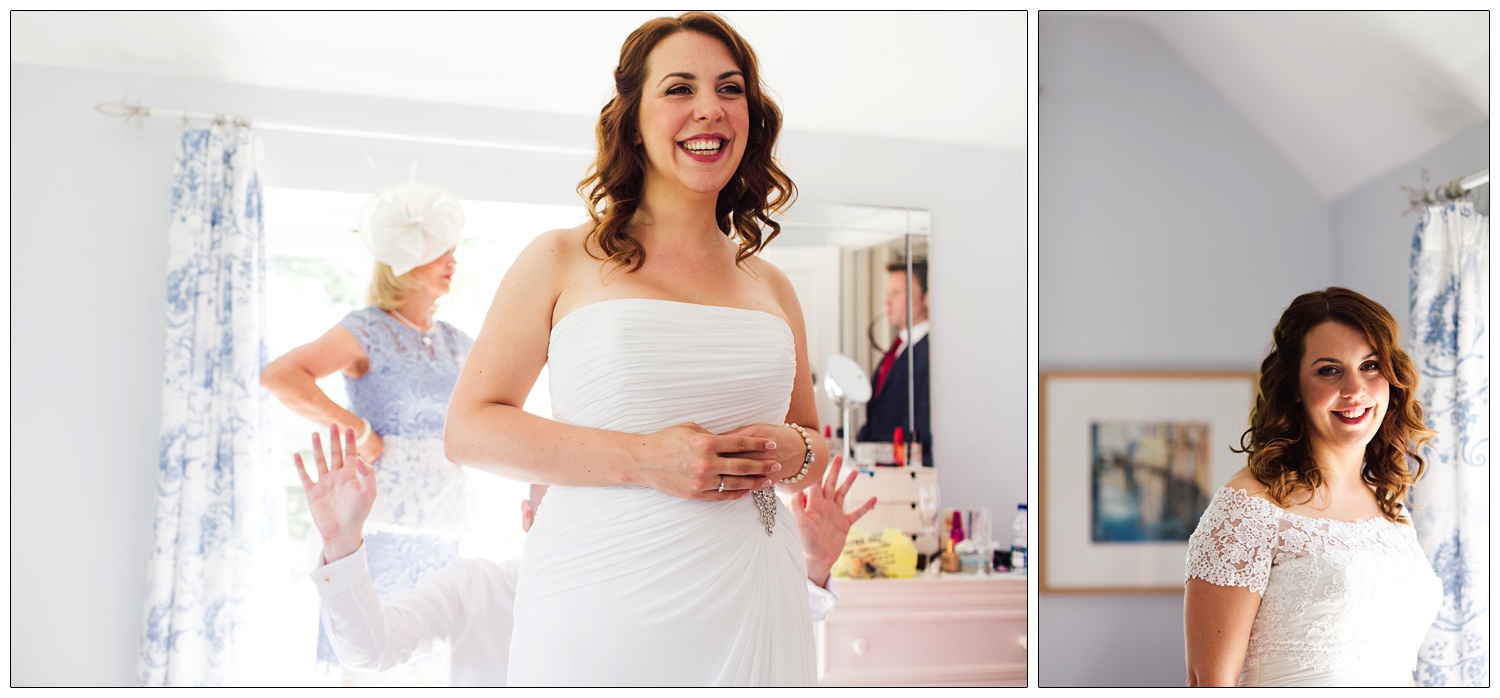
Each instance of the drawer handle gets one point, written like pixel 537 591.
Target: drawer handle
pixel 861 647
pixel 1021 640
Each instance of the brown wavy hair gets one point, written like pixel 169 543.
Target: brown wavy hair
pixel 612 189
pixel 1279 449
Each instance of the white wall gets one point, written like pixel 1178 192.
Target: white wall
pixel 1170 237
pixel 89 208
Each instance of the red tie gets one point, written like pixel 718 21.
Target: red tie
pixel 886 363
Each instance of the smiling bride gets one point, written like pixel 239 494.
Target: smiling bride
pixel 1305 569
pixel 679 382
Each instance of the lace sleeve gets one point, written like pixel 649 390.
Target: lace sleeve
pixel 358 324
pixel 1234 542
pixel 461 340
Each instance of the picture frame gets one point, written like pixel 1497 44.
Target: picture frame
pixel 1128 461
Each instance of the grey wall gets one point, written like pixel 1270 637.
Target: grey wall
pixel 1169 238
pixel 1170 235
pixel 89 210
pixel 1368 224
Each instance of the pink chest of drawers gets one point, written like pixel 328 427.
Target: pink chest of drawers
pixel 963 631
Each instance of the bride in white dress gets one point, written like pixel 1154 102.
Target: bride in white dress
pixel 1305 570
pixel 678 370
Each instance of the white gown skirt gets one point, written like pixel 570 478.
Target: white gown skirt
pixel 626 586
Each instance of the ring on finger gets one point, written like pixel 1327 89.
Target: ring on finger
pixel 721 484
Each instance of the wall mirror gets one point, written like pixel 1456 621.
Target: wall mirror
pixel 837 256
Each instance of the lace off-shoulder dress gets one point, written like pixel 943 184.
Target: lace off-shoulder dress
pixel 1343 603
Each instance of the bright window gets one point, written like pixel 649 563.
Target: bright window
pixel 318 270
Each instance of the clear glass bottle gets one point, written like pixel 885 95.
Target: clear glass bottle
pixel 1018 551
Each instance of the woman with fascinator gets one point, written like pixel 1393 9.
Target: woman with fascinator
pixel 400 365
pixel 680 386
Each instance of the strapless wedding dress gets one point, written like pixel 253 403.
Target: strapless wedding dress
pixel 626 586
pixel 1342 603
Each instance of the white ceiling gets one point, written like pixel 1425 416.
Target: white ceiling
pixel 1343 96
pixel 944 77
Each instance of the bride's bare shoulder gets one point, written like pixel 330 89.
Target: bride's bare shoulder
pixel 1244 480
pixel 562 243
pixel 556 252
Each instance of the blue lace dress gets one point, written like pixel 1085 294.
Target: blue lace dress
pixel 423 503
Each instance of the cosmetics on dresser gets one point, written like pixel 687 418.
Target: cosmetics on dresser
pixel 951 562
pixel 898 442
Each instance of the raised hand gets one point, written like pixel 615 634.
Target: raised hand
pixel 341 498
pixel 824 524
pixel 690 461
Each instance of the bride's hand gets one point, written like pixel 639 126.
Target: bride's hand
pixel 690 461
pixel 790 451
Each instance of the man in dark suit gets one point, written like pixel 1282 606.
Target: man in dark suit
pixel 887 408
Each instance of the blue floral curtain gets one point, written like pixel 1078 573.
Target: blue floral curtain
pixel 216 507
pixel 1449 316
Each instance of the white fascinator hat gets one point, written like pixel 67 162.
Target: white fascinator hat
pixel 411 224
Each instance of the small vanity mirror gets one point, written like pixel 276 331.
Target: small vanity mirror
pixel 846 384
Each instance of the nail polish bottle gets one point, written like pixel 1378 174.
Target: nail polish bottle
pixel 951 563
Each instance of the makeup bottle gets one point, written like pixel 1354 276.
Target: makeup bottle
pixel 951 563
pixel 898 441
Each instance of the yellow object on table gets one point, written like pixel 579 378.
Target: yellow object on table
pixel 892 554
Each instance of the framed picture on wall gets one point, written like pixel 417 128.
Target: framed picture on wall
pixel 1129 462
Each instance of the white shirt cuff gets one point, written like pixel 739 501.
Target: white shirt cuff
pixel 820 601
pixel 342 574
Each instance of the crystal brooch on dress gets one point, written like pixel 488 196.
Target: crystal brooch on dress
pixel 765 501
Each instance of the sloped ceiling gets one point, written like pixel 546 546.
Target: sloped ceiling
pixel 943 77
pixel 1343 96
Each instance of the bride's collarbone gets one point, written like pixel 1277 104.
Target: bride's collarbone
pixel 1339 506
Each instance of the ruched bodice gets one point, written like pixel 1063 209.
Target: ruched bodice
pixel 1343 603
pixel 630 586
pixel 638 365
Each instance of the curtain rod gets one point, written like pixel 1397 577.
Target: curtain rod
pixel 1455 190
pixel 133 113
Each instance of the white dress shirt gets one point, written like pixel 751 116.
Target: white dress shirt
pixel 918 333
pixel 470 605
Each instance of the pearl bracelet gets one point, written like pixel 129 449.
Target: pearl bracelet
pixel 806 459
pixel 364 435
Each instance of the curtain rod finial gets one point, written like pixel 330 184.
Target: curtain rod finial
pixel 128 108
